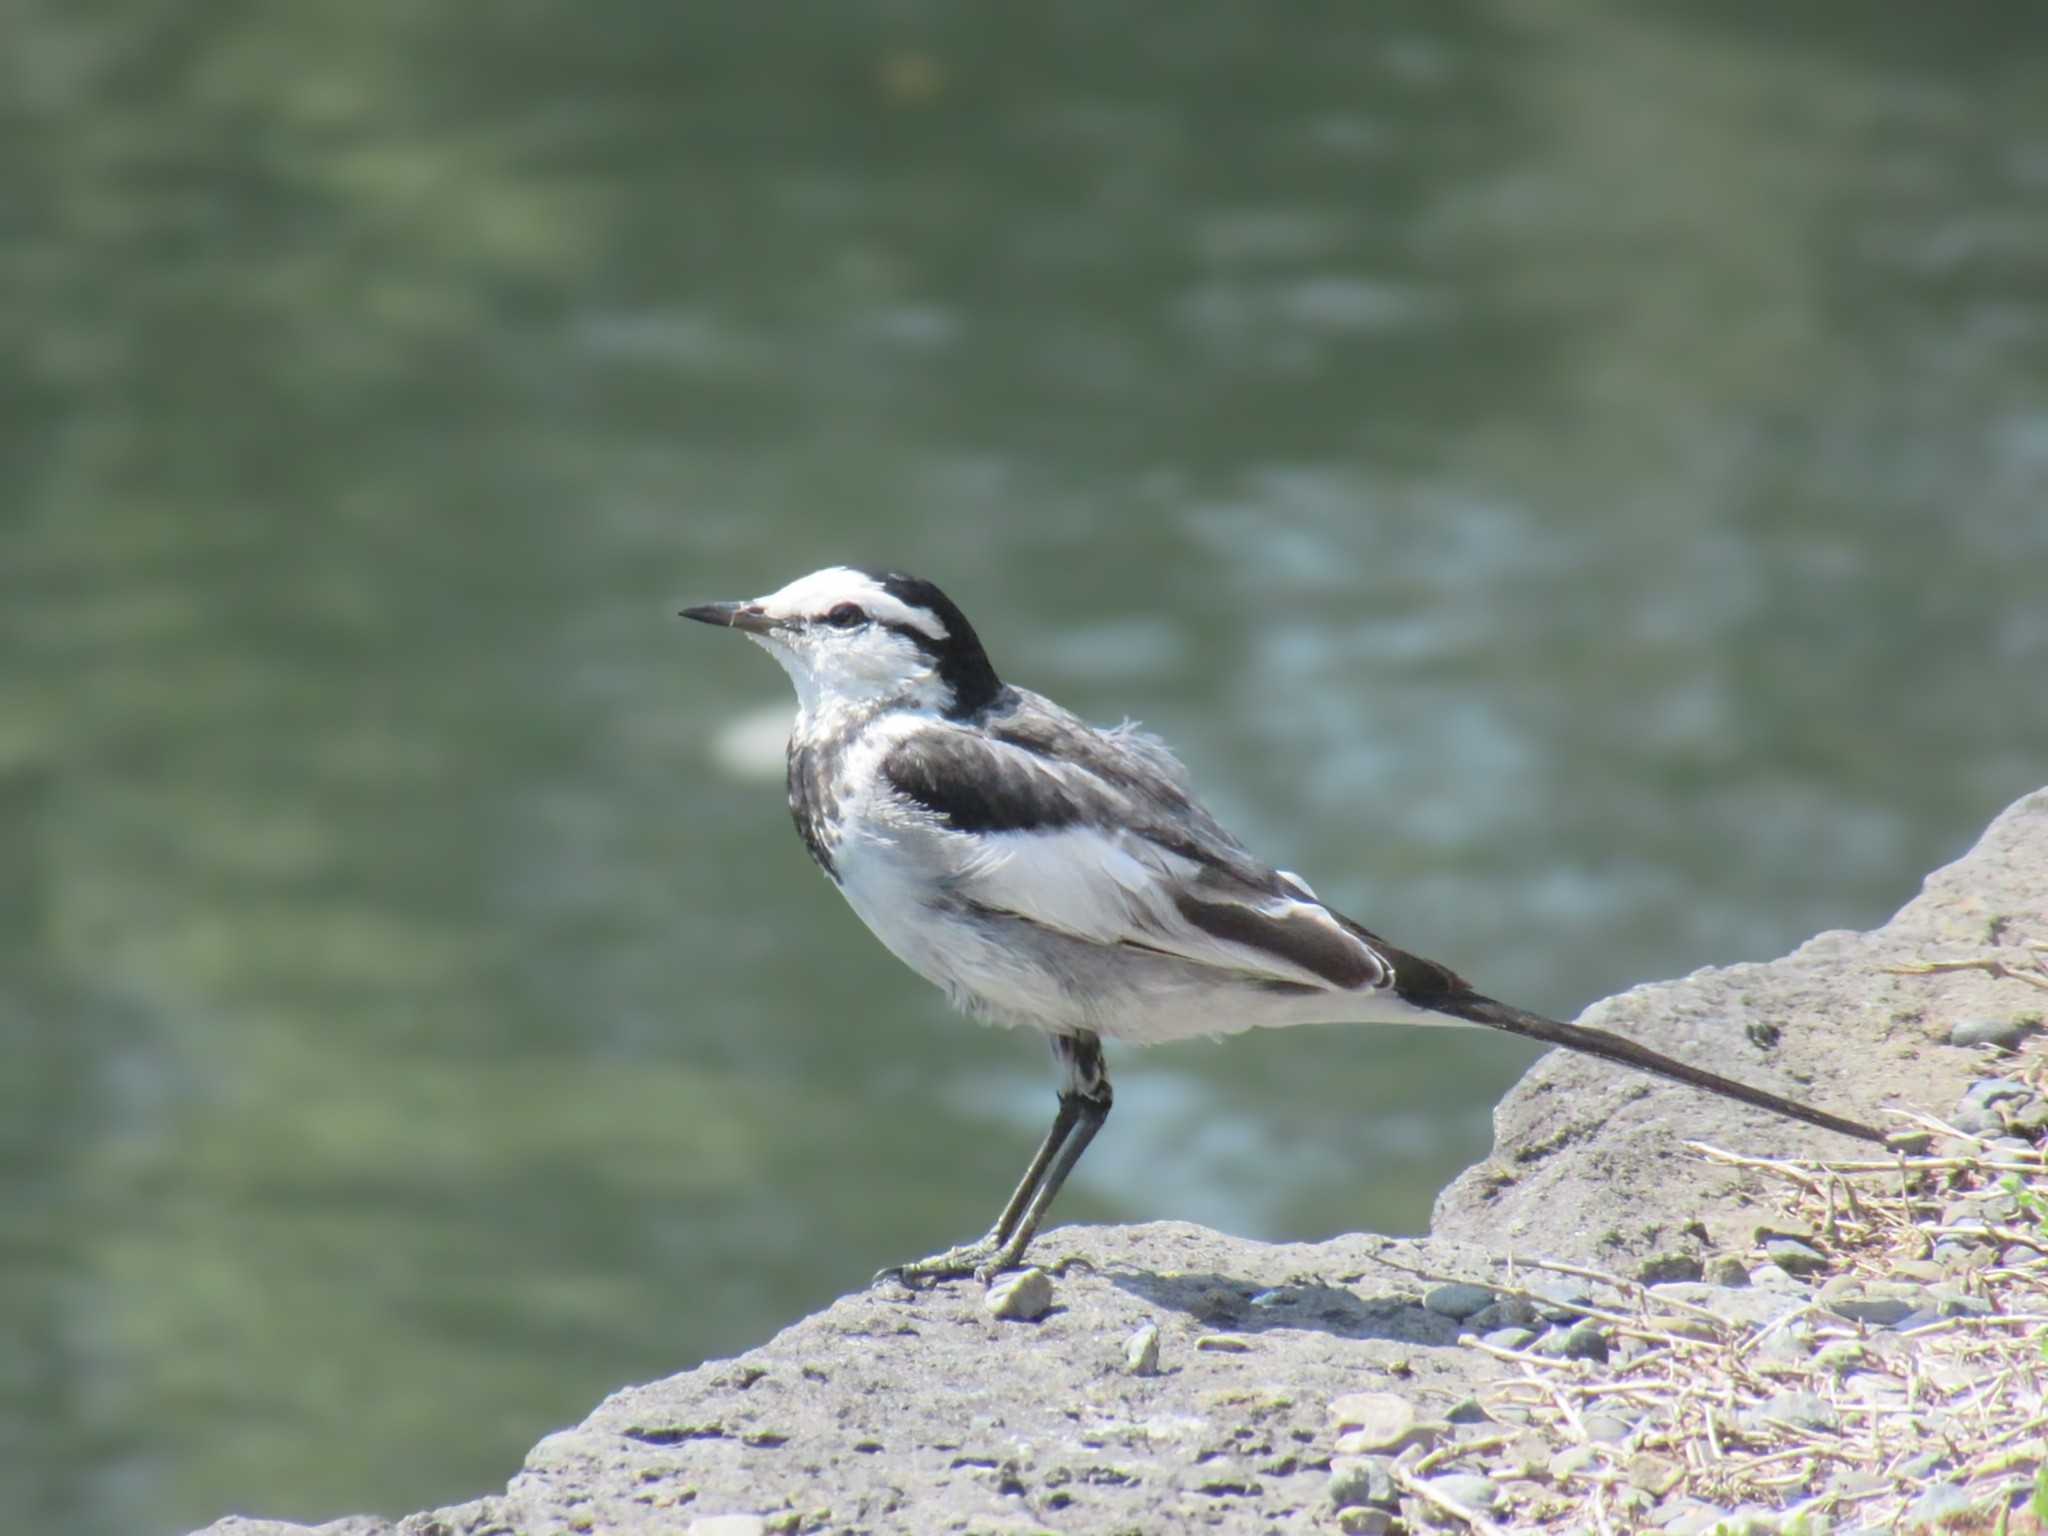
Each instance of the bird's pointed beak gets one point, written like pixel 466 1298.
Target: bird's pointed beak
pixel 747 617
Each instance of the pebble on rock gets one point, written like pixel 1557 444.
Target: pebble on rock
pixel 1664 1268
pixel 1020 1298
pixel 1880 1311
pixel 1841 1355
pixel 1458 1302
pixel 1509 1338
pixel 1608 1428
pixel 1564 1299
pixel 1726 1269
pixel 2003 1033
pixel 1381 1422
pixel 1582 1341
pixel 1795 1257
pixel 1364 1520
pixel 1225 1343
pixel 1804 1410
pixel 1476 1493
pixel 1996 1090
pixel 1570 1462
pixel 1508 1312
pixel 1356 1480
pixel 1141 1351
pixel 1941 1500
pixel 1654 1475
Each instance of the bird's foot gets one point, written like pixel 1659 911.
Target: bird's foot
pixel 984 1259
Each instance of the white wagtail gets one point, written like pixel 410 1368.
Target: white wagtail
pixel 1045 872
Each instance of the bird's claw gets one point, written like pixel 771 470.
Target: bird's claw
pixel 983 1259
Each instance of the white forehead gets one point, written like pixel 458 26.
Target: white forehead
pixel 819 593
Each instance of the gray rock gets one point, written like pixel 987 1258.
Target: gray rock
pixel 1632 1504
pixel 1356 1480
pixel 1880 1311
pixel 1950 1302
pixel 1726 1269
pixel 1510 1338
pixel 1458 1302
pixel 1024 1297
pixel 1923 1464
pixel 2004 1033
pixel 1859 1483
pixel 1665 1268
pixel 1963 1250
pixel 1688 1518
pixel 1564 1298
pixel 1803 1409
pixel 1476 1493
pixel 1842 1355
pixel 1790 1344
pixel 1975 1119
pixel 1997 1090
pixel 2030 1120
pixel 1364 1520
pixel 1608 1428
pixel 1508 1312
pixel 1372 1422
pixel 1795 1257
pixel 1468 1410
pixel 1580 1341
pixel 1570 1462
pixel 1937 1503
pixel 1652 1474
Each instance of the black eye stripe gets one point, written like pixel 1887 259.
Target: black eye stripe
pixel 846 616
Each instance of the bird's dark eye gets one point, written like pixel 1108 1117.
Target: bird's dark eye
pixel 846 616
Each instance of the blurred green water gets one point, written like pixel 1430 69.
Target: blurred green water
pixel 1571 479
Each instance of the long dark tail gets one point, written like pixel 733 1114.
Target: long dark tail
pixel 1597 1042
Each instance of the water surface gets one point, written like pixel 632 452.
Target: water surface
pixel 1569 479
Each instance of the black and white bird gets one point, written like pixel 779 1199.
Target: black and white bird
pixel 1043 871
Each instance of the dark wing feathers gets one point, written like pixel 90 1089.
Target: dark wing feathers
pixel 974 787
pixel 1036 769
pixel 1295 934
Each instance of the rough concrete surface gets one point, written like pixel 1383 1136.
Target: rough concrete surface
pixel 895 1410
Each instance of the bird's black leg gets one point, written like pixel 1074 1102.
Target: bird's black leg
pixel 1085 1098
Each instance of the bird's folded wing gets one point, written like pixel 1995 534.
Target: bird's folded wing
pixel 1095 844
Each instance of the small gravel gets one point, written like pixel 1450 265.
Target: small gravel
pixel 1141 1351
pixel 1024 1297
